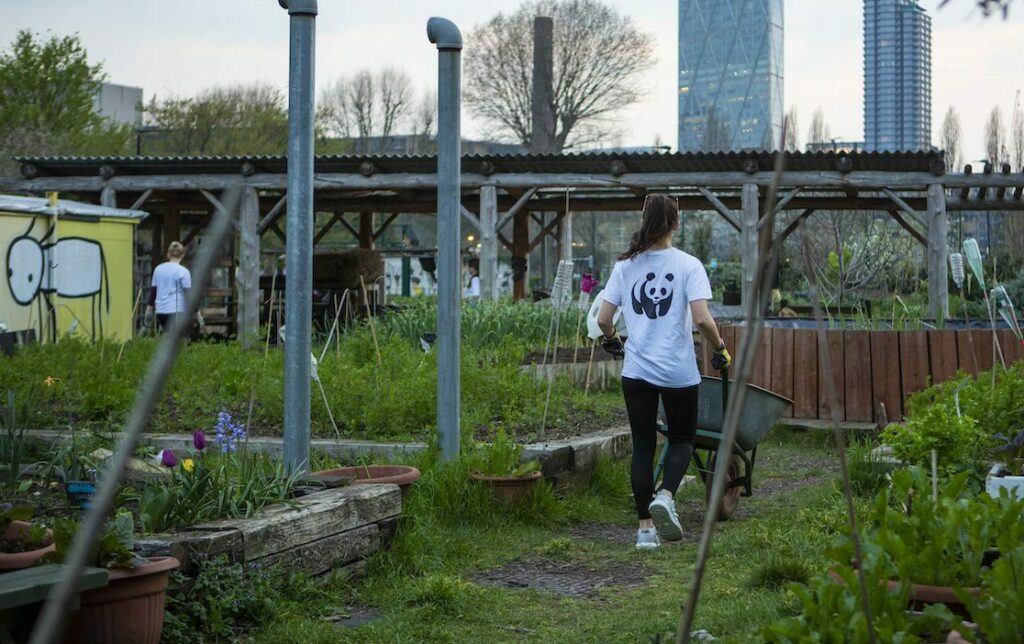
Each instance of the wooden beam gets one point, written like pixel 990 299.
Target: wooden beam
pixel 351 229
pixel 142 199
pixel 488 243
pixel 247 280
pixel 516 207
pixel 895 214
pixel 520 254
pixel 748 241
pixel 547 230
pixel 335 217
pixel 192 233
pixel 384 226
pixel 469 216
pixel 793 225
pixel 903 206
pixel 277 231
pixel 938 272
pixel 212 199
pixel 272 216
pixel 724 211
pixel 954 203
pixel 365 230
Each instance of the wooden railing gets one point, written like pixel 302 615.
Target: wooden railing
pixel 874 371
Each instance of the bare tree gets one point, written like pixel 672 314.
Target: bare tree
pixel 950 139
pixel 1017 135
pixel 424 119
pixel 995 137
pixel 792 130
pixel 599 55
pixel 365 105
pixel 819 131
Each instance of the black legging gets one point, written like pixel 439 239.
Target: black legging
pixel 681 416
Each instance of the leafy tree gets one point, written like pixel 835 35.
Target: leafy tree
pixel 599 55
pixel 47 92
pixel 239 119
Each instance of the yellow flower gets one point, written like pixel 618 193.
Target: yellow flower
pixel 188 464
pixel 50 381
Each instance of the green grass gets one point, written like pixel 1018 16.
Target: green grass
pixel 422 588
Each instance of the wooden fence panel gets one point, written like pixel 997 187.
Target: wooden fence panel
pixel 782 365
pixel 835 349
pixel 762 373
pixel 732 344
pixel 885 377
pixel 1013 349
pixel 857 375
pixel 805 373
pixel 913 361
pixel 942 351
pixel 970 350
pixel 985 347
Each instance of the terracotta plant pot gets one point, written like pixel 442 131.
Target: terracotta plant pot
pixel 19 531
pixel 130 609
pixel 921 594
pixel 511 489
pixel 401 475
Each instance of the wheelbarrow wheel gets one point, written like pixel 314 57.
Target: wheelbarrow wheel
pixel 731 497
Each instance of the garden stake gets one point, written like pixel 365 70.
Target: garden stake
pixel 135 310
pixel 334 327
pixel 935 476
pixel 590 364
pixel 50 623
pixel 560 298
pixel 270 310
pixel 369 316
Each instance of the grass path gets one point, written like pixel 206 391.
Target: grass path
pixel 579 579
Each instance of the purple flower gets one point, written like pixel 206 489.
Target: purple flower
pixel 199 440
pixel 228 433
pixel 167 458
pixel 588 283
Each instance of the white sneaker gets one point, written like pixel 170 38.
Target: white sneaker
pixel 647 539
pixel 663 511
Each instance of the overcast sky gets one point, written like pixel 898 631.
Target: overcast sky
pixel 182 46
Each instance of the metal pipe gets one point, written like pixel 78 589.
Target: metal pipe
pixel 448 39
pixel 299 245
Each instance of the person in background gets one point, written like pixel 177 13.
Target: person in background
pixel 785 311
pixel 171 282
pixel 472 290
pixel 663 293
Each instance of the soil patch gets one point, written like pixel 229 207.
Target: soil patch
pixel 564 355
pixel 567 578
pixel 607 532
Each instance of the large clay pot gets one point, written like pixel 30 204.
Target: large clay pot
pixel 19 531
pixel 401 475
pixel 128 610
pixel 509 488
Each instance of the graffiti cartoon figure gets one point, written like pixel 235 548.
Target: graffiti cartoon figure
pixel 72 267
pixel 653 297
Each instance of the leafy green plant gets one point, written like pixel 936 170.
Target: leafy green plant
pixel 113 548
pixel 12 442
pixel 999 613
pixel 501 457
pixel 1011 452
pixel 35 537
pixel 779 570
pixel 960 443
pixel 869 469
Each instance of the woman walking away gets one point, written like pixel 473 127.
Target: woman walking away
pixel 171 282
pixel 663 292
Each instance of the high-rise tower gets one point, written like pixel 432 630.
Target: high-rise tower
pixel 897 75
pixel 730 74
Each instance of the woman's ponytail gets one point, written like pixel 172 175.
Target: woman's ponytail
pixel 660 217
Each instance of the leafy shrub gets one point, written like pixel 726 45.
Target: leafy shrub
pixel 999 613
pixel 869 470
pixel 500 457
pixel 960 443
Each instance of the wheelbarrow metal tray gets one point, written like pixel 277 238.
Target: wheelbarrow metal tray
pixel 761 410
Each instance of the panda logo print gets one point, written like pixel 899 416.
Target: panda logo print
pixel 653 296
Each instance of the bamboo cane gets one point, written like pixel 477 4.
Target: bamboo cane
pixel 369 316
pixel 270 313
pixel 135 311
pixel 590 365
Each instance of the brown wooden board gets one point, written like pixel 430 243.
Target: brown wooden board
pixel 984 346
pixel 942 353
pixel 914 369
pixel 885 377
pixel 969 352
pixel 857 375
pixel 762 374
pixel 728 333
pixel 1013 349
pixel 733 341
pixel 805 373
pixel 835 349
pixel 782 365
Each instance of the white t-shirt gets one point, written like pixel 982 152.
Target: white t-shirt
pixel 171 280
pixel 473 290
pixel 654 290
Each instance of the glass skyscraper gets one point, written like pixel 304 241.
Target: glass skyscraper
pixel 897 76
pixel 730 75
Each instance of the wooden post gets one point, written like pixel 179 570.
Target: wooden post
pixel 938 228
pixel 520 253
pixel 748 239
pixel 108 197
pixel 542 137
pixel 488 243
pixel 247 284
pixel 366 230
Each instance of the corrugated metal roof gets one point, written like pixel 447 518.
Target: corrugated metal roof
pixel 41 206
pixel 578 163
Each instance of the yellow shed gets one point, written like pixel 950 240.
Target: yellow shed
pixel 68 268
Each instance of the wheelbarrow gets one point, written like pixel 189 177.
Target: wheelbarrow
pixel 761 409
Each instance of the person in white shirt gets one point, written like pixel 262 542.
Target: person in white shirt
pixel 663 293
pixel 472 291
pixel 171 282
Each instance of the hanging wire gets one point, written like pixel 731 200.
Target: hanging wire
pixel 50 623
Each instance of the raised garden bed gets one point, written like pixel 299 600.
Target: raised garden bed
pixel 322 531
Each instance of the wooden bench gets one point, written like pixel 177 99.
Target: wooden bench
pixel 22 590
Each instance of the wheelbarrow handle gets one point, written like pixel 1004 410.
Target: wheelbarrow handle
pixel 725 391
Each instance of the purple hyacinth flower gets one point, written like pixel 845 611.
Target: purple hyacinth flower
pixel 168 459
pixel 199 440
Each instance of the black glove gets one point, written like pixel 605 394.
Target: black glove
pixel 720 359
pixel 614 347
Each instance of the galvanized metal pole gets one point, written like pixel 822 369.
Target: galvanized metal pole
pixel 448 39
pixel 299 250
